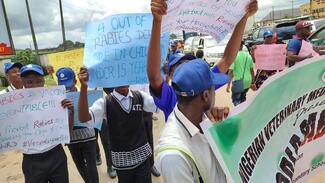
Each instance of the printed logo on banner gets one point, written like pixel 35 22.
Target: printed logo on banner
pixel 323 78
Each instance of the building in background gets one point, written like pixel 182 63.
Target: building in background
pixel 275 15
pixel 318 8
pixel 305 10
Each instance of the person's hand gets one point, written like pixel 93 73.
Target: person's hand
pixel 228 89
pixel 83 77
pixel 251 8
pixel 218 113
pixel 67 104
pixel 254 87
pixel 252 49
pixel 309 56
pixel 158 9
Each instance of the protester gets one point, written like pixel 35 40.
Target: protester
pixel 98 155
pixel 104 137
pixel 147 119
pixel 199 54
pixel 49 78
pixel 49 165
pixel 123 110
pixel 163 93
pixel 12 70
pixel 241 72
pixel 105 141
pixel 182 143
pixel 303 29
pixel 82 144
pixel 263 75
pixel 173 50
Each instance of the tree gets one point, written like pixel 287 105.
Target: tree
pixel 25 57
pixel 71 45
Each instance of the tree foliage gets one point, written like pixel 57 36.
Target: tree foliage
pixel 25 57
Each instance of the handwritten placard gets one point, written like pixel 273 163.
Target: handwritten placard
pixel 307 49
pixel 270 57
pixel 92 95
pixel 116 50
pixel 214 17
pixel 72 59
pixel 33 119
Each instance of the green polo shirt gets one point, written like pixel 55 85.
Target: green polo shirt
pixel 238 68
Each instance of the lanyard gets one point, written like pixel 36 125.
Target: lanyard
pixel 197 169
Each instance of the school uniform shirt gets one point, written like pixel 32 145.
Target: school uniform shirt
pixel 8 89
pixel 183 146
pixel 167 100
pixel 98 109
pixel 140 87
pixel 126 153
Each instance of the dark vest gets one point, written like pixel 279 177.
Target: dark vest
pixel 126 128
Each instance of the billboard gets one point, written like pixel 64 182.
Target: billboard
pixel 6 45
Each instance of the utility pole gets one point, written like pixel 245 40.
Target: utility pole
pixel 62 25
pixel 32 28
pixel 292 8
pixel 273 14
pixel 8 26
pixel 311 8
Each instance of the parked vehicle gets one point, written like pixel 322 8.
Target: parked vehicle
pixel 317 38
pixel 213 51
pixel 317 24
pixel 282 33
pixel 188 45
pixel 196 43
pixel 257 36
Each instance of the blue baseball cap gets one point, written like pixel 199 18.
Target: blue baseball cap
pixel 268 34
pixel 31 68
pixel 193 77
pixel 173 43
pixel 11 65
pixel 175 58
pixel 66 77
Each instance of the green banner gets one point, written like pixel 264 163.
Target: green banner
pixel 277 135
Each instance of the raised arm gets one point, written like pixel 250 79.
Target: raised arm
pixel 233 45
pixel 297 58
pixel 158 8
pixel 231 76
pixel 83 111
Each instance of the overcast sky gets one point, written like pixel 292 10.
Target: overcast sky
pixel 46 17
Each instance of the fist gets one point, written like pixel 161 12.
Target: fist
pixel 83 76
pixel 218 113
pixel 158 9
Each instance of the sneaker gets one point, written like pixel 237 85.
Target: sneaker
pixel 98 160
pixel 111 172
pixel 154 171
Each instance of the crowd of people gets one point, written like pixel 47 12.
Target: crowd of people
pixel 186 98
